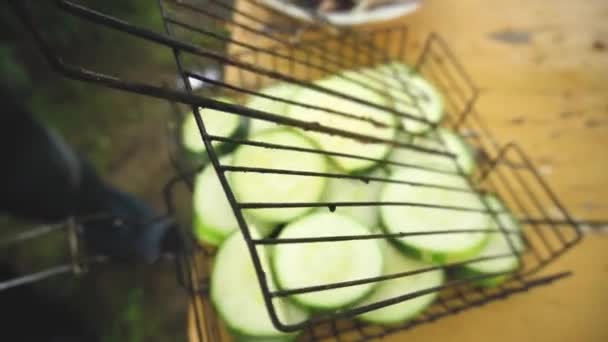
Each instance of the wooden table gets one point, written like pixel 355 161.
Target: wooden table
pixel 542 68
pixel 543 71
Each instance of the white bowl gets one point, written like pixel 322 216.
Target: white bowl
pixel 346 18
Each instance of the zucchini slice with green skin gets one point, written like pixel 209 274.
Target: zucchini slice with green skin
pixel 280 90
pixel 363 75
pixel 275 187
pixel 217 123
pixel 298 265
pixel 407 91
pixel 497 245
pixel 206 235
pixel 214 218
pixel 466 273
pixel 336 143
pixel 412 94
pixel 419 98
pixel 438 248
pixel 395 262
pixel 441 139
pixel 381 77
pixel 400 154
pixel 353 190
pixel 393 69
pixel 213 237
pixel 236 294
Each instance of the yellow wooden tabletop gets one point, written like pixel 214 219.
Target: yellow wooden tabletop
pixel 542 68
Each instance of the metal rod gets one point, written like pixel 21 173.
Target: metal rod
pixel 31 234
pixel 387 161
pixel 364 179
pixel 331 286
pixel 34 277
pixel 417 232
pixel 45 274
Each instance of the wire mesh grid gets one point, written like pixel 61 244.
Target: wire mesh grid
pixel 284 51
pixel 78 259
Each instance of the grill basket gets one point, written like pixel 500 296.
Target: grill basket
pixel 252 47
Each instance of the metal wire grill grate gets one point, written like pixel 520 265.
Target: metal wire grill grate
pixel 285 52
pixel 78 261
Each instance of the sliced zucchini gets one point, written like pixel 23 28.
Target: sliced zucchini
pixel 363 75
pixel 440 248
pixel 351 190
pixel 236 294
pixel 394 68
pixel 412 94
pixel 395 262
pixel 216 123
pixel 336 143
pixel 498 245
pixel 205 235
pixel 310 264
pixel 399 154
pixel 415 95
pixel 280 90
pixel 380 78
pixel 441 139
pixel 214 219
pixel 274 187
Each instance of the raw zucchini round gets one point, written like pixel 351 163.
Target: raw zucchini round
pixel 395 262
pixel 236 294
pixel 335 143
pixel 216 123
pixel 441 139
pixel 311 264
pixel 363 75
pixel 273 187
pixel 394 68
pixel 498 245
pixel 206 235
pixel 415 95
pixel 281 90
pixel 440 248
pixel 353 190
pixel 214 218
pixel 410 93
pixel 400 155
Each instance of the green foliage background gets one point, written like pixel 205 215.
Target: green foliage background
pixel 122 304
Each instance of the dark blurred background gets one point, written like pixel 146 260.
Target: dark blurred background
pixel 125 138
